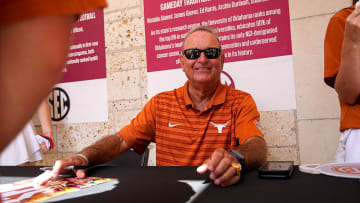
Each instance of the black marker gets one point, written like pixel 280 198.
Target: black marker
pixel 66 168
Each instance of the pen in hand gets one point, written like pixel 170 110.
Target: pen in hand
pixel 48 174
pixel 65 168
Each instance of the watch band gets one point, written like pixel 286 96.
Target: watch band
pixel 239 157
pixel 82 156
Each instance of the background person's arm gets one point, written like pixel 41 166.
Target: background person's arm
pixel 347 82
pixel 45 120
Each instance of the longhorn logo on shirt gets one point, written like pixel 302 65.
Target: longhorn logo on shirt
pixel 219 126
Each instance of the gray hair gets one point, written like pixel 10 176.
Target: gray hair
pixel 210 30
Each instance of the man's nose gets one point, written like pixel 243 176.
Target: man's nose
pixel 202 58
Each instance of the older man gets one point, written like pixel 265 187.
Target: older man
pixel 203 123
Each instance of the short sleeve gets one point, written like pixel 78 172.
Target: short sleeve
pixel 332 48
pixel 247 120
pixel 141 130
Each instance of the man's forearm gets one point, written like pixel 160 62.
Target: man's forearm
pixel 105 149
pixel 347 83
pixel 255 152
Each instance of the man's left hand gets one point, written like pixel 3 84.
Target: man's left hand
pixel 220 167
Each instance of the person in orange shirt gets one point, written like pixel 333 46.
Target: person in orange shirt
pixel 204 123
pixel 34 40
pixel 342 72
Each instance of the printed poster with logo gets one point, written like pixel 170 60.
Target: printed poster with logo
pixel 255 38
pixel 343 170
pixel 25 191
pixel 81 96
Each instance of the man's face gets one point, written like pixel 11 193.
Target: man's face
pixel 202 70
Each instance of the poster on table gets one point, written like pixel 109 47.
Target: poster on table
pixel 81 96
pixel 255 38
pixel 27 191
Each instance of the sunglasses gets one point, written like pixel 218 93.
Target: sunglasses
pixel 210 53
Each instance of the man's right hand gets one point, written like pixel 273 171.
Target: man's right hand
pixel 58 169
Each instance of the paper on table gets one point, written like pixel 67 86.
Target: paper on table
pixel 26 191
pixel 344 170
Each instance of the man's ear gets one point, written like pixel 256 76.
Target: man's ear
pixel 222 60
pixel 182 61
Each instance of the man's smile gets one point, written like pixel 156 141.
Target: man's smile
pixel 202 68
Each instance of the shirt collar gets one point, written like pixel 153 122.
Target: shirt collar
pixel 217 99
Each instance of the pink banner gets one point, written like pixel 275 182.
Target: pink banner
pixel 86 58
pixel 249 29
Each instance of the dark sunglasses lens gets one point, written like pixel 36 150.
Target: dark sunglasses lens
pixel 192 53
pixel 212 53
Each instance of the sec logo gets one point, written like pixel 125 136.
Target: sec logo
pixel 60 104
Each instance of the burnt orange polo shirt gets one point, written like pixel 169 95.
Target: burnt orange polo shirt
pixel 185 136
pixel 17 10
pixel 350 114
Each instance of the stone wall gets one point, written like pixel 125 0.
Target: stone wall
pixel 308 134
